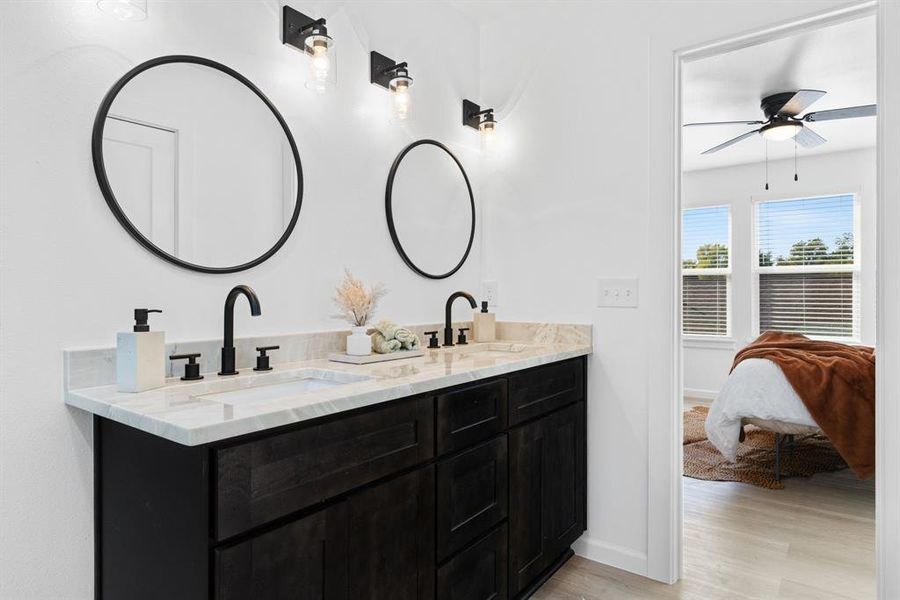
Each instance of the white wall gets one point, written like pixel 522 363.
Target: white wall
pixel 582 187
pixel 707 362
pixel 72 275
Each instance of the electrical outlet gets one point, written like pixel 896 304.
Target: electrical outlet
pixel 489 292
pixel 617 293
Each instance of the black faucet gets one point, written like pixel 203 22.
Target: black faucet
pixel 448 329
pixel 228 341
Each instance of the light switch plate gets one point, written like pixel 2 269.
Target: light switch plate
pixel 617 293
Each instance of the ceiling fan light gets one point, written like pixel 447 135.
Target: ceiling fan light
pixel 780 131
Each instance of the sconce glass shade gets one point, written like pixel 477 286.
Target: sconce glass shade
pixel 320 49
pixel 488 128
pixel 400 98
pixel 124 10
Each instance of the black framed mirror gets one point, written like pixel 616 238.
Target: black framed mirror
pixel 430 209
pixel 197 164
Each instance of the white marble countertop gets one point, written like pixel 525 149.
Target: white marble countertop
pixel 190 413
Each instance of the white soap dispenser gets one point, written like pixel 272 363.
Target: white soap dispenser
pixel 140 355
pixel 484 325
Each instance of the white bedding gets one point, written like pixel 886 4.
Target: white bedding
pixel 755 389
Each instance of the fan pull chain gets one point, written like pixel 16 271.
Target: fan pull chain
pixel 767 164
pixel 795 161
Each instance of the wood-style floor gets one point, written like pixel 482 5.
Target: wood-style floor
pixel 815 539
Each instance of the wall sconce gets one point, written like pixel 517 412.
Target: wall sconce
pixel 124 10
pixel 481 119
pixel 310 36
pixel 392 76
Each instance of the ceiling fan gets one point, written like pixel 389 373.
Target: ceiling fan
pixel 782 122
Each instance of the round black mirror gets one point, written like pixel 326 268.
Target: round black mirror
pixel 430 209
pixel 197 164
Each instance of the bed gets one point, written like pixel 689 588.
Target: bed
pixel 758 393
pixel 793 385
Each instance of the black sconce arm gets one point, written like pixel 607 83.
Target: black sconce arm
pixel 383 69
pixel 472 112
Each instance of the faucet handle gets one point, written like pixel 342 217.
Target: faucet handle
pixel 262 361
pixel 461 340
pixel 191 368
pixel 433 342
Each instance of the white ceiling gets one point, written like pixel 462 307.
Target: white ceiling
pixel 839 59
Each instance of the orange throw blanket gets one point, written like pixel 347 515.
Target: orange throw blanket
pixel 836 383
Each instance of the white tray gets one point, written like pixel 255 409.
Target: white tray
pixel 374 357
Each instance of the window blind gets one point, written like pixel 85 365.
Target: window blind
pixel 704 305
pixel 807 266
pixel 706 270
pixel 821 304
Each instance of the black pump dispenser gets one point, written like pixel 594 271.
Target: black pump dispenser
pixel 484 306
pixel 140 318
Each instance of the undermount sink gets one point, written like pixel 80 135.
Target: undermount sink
pixel 265 388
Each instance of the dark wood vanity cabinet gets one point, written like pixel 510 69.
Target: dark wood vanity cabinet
pixel 471 493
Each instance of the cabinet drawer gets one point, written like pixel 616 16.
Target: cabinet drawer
pixel 478 572
pixel 303 559
pixel 470 415
pixel 538 391
pixel 471 495
pixel 268 478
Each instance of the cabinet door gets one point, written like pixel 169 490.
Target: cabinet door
pixel 305 559
pixel 391 539
pixel 546 492
pixel 565 491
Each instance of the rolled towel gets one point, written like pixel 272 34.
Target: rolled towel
pixel 407 339
pixel 382 345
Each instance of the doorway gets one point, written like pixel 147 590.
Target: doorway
pixel 761 250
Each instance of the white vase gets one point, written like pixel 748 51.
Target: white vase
pixel 358 342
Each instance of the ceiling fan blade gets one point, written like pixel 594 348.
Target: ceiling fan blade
pixel 723 123
pixel 809 138
pixel 799 102
pixel 730 142
pixel 851 112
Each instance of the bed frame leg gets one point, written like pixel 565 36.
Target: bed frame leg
pixel 778 457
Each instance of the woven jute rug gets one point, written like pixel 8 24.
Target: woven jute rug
pixel 755 462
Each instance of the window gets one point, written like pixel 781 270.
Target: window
pixel 705 271
pixel 808 266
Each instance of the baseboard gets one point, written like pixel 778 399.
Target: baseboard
pixel 612 555
pixel 700 394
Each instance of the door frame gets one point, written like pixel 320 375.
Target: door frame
pixel 178 242
pixel 887 285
